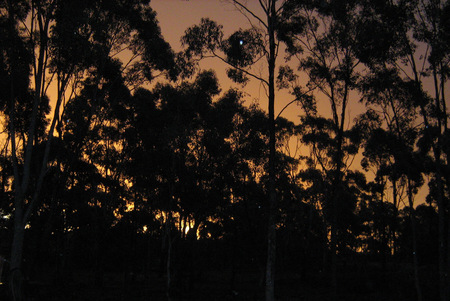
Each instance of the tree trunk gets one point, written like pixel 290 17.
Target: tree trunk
pixel 336 193
pixel 169 267
pixel 333 249
pixel 19 229
pixel 414 242
pixel 16 257
pixel 442 236
pixel 271 235
pixel 21 182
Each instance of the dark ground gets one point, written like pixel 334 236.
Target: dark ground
pixel 355 283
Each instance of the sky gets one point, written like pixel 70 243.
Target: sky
pixel 175 16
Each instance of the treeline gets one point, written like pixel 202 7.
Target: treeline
pixel 128 170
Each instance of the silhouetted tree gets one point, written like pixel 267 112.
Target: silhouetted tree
pixel 412 50
pixel 61 39
pixel 325 54
pixel 241 50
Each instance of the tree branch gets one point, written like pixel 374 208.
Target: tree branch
pixel 240 69
pixel 237 3
pixel 43 170
pixel 265 9
pixel 292 101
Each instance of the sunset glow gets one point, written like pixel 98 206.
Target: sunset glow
pixel 224 149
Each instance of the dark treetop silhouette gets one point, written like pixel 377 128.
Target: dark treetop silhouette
pixel 128 172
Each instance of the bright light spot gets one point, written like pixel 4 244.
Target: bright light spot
pixel 130 207
pixel 145 228
pixel 186 230
pixel 117 214
pixel 241 42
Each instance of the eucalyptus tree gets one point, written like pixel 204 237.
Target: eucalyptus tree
pixel 53 43
pixel 173 157
pixel 197 158
pixel 392 150
pixel 242 50
pixel 416 54
pixel 431 28
pixel 324 53
pixel 90 158
pixel 403 168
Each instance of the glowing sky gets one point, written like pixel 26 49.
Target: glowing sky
pixel 175 16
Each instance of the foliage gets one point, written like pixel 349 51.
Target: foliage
pixel 114 176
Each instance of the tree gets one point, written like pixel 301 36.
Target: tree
pixel 392 150
pixel 415 49
pixel 324 52
pixel 240 51
pixel 58 41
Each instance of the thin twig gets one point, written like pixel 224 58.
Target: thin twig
pixel 251 13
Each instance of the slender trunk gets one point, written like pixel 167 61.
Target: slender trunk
pixel 446 150
pixel 414 242
pixel 169 223
pixel 39 81
pixel 443 80
pixel 336 191
pixel 385 235
pixel 442 234
pixel 22 182
pixel 168 265
pixel 19 196
pixel 271 235
pixel 394 224
pixel 336 186
pixel 16 256
pixel 333 249
pixel 443 272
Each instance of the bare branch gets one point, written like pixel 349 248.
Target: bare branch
pixel 424 61
pixel 263 6
pixel 44 168
pixel 241 69
pixel 238 4
pixel 292 101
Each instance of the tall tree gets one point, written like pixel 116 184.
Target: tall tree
pixel 392 150
pixel 242 50
pixel 415 50
pixel 328 60
pixel 57 41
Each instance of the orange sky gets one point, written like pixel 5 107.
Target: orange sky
pixel 175 16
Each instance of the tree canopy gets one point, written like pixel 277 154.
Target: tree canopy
pixel 127 171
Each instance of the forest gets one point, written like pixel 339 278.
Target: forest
pixel 129 172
